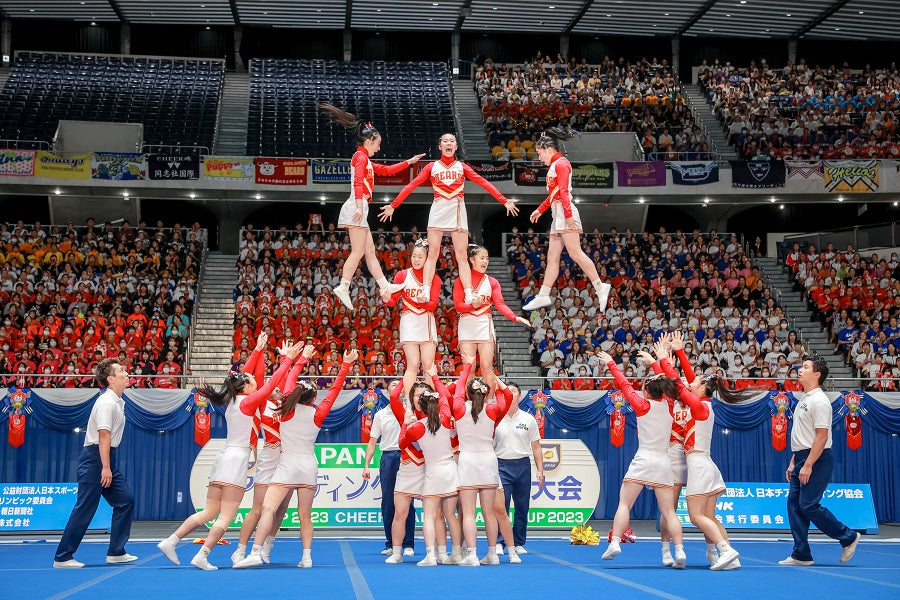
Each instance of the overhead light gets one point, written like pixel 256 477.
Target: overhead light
pixel 207 27
pixel 77 429
pixel 641 200
pixel 192 195
pixel 665 14
pixel 788 14
pixel 896 203
pixel 434 3
pixel 577 200
pixel 837 28
pixel 258 196
pixel 727 15
pixel 743 1
pixel 862 12
pixel 58 192
pixel 551 7
pixel 772 199
pixel 323 197
pixel 781 206
pixel 125 193
pixel 840 198
pixel 93 23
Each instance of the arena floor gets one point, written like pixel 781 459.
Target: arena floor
pixel 352 567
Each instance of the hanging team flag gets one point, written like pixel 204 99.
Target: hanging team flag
pixel 650 173
pixel 758 173
pixel 694 173
pixel 182 166
pixel 851 175
pixel 48 164
pixel 17 162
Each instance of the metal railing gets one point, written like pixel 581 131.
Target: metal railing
pixel 685 156
pixel 879 235
pixel 174 149
pixel 14 144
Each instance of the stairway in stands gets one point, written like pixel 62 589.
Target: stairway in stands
pixel 513 339
pixel 214 319
pixel 704 117
pixel 811 330
pixel 231 138
pixel 468 113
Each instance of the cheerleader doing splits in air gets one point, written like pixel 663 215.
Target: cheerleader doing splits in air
pixel 418 330
pixel 566 228
pixel 355 211
pixel 228 479
pixel 297 467
pixel 448 213
pixel 651 465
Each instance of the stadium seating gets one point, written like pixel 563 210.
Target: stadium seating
pixel 409 103
pixel 177 100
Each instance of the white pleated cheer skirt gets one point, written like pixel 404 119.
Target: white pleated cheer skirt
pixel 679 464
pixel 476 329
pixel 410 479
pixel 266 463
pixel 558 224
pixel 478 469
pixel 441 478
pixel 296 470
pixel 417 329
pixel 704 478
pixel 650 468
pixel 345 219
pixel 448 215
pixel 231 466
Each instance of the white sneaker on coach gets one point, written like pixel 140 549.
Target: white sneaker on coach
pixel 387 552
pixel 513 557
pixel 122 559
pixel 603 296
pixel 790 560
pixel 452 559
pixel 67 564
pixel 343 295
pixel 408 552
pixel 521 550
pixel 537 302
pixel 848 552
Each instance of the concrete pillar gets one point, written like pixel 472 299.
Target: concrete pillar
pixel 348 45
pixel 125 38
pixel 564 45
pixel 792 51
pixel 238 38
pixel 676 54
pixel 454 53
pixel 6 39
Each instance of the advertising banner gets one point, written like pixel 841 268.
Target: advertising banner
pixel 44 507
pixel 48 164
pixel 118 166
pixel 493 171
pixel 174 166
pixel 281 171
pixel 330 172
pixel 344 499
pixel 530 175
pixel 397 179
pixel 641 174
pixel 851 175
pixel 228 167
pixel 694 173
pixel 597 176
pixel 17 162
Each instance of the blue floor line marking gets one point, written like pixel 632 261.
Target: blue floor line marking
pixel 357 579
pixel 114 570
pixel 822 571
pixel 631 584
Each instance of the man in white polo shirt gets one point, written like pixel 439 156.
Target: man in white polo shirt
pixel 386 430
pixel 515 439
pixel 811 467
pixel 99 475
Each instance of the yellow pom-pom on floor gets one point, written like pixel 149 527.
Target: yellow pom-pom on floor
pixel 584 535
pixel 219 543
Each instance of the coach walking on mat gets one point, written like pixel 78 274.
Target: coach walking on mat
pixel 811 468
pixel 98 473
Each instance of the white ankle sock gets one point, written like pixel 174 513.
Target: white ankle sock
pixel 204 550
pixel 242 548
pixel 345 283
pixel 711 547
pixel 397 550
pixel 545 290
pixel 492 550
pixel 430 551
pixel 665 546
pixel 270 539
pixel 307 553
pixel 457 550
pixel 256 549
pixel 722 546
pixel 173 539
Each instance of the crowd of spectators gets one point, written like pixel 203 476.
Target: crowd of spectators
pixel 520 101
pixel 285 280
pixel 703 285
pixel 858 299
pixel 806 112
pixel 72 296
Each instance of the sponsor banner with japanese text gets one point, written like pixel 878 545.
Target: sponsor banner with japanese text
pixel 397 179
pixel 805 176
pixel 758 173
pixel 43 507
pixel 228 167
pixel 281 171
pixel 641 174
pixel 597 175
pixel 48 164
pixel 694 173
pixel 330 171
pixel 890 175
pixel 851 175
pixel 528 175
pixel 17 162
pixel 119 166
pixel 764 506
pixel 181 166
pixel 493 171
pixel 344 499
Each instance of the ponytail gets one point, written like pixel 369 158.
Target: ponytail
pixel 428 402
pixel 477 390
pixel 718 387
pixel 363 130
pixel 552 137
pixel 657 387
pixel 304 393
pixel 232 386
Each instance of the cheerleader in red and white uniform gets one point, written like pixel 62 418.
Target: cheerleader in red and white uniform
pixel 704 481
pixel 448 213
pixel 479 475
pixel 228 479
pixel 475 328
pixel 650 466
pixel 566 227
pixel 297 467
pixel 418 330
pixel 355 211
pixel 439 491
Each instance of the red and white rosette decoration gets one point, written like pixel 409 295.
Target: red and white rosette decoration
pixel 853 410
pixel 367 404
